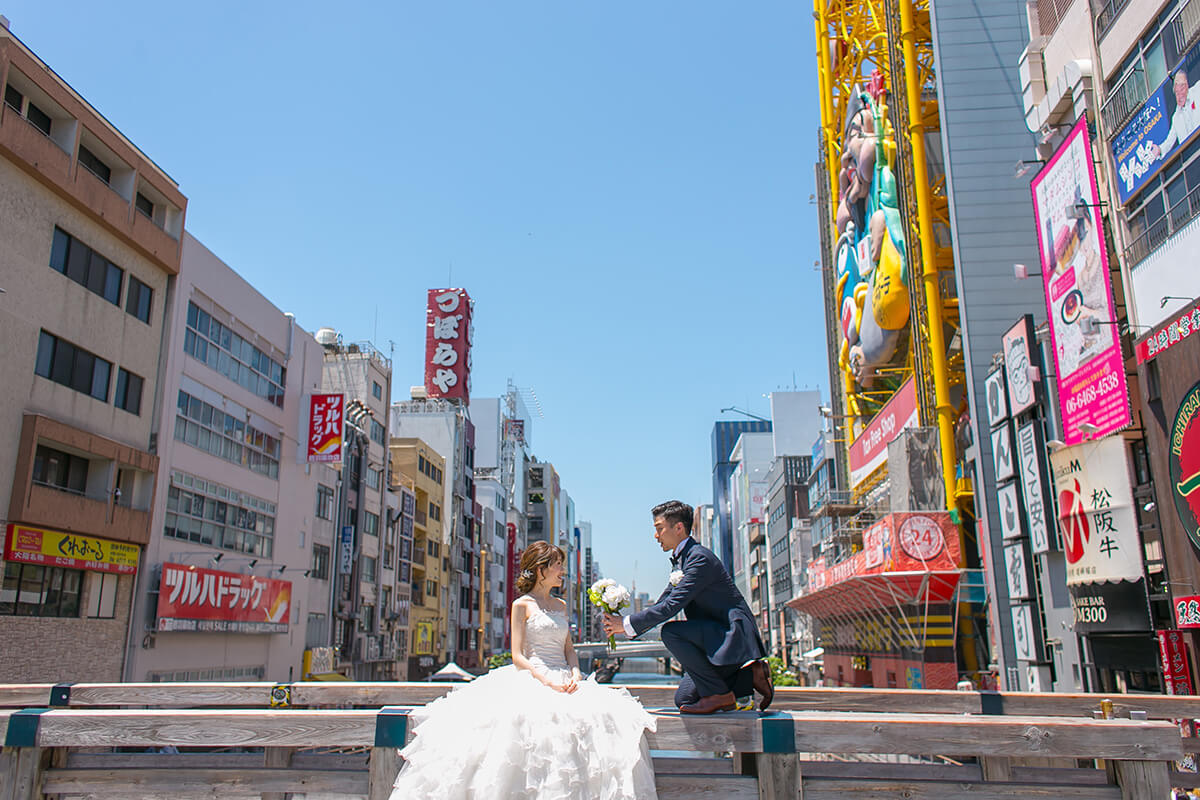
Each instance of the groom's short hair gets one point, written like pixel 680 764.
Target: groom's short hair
pixel 674 511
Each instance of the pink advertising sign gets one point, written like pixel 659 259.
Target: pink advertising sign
pixel 1079 300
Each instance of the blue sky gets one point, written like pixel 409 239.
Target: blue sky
pixel 623 188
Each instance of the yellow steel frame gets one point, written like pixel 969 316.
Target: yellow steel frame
pixel 853 39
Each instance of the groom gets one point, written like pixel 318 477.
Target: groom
pixel 718 644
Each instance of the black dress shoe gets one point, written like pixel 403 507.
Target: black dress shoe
pixel 762 683
pixel 710 704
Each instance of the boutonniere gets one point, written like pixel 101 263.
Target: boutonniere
pixel 676 577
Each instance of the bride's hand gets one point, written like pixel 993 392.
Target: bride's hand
pixel 571 685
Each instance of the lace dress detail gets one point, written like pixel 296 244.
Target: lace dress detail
pixel 507 735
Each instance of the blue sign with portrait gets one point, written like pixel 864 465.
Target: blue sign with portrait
pixel 1168 120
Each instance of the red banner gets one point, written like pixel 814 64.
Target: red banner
pixel 326 416
pixel 1175 331
pixel 212 601
pixel 902 542
pixel 511 584
pixel 869 449
pixel 448 337
pixel 1172 651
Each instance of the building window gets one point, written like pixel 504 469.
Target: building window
pixel 374 477
pixel 369 569
pixel 59 470
pixel 86 267
pixel 371 524
pixel 138 300
pixel 211 674
pixel 13 98
pixel 144 204
pixel 63 362
pixel 225 436
pixel 366 618
pixel 320 562
pixel 378 434
pixel 376 390
pixel 36 117
pixel 435 512
pixel 94 165
pixel 431 589
pixel 214 344
pixel 209 513
pixel 324 502
pixel 102 603
pixel 30 590
pixel 129 392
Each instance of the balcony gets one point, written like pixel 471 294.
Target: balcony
pixel 1164 228
pixel 833 503
pixel 34 150
pixel 419 518
pixel 1106 12
pixel 418 557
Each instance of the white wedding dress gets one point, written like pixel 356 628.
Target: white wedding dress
pixel 507 735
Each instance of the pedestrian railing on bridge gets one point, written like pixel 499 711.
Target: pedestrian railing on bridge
pixel 293 740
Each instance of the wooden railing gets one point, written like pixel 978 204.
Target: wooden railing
pixel 989 744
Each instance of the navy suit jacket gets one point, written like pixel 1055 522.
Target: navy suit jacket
pixel 706 592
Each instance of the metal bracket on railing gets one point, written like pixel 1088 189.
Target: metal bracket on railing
pixel 60 695
pixel 23 727
pixel 778 732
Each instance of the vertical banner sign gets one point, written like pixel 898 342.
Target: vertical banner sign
pixel 1011 521
pixel 1177 674
pixel 1078 289
pixel 510 585
pixel 1019 356
pixel 448 337
pixel 1017 568
pixel 1183 461
pixel 346 550
pixel 997 400
pixel 1029 456
pixel 325 419
pixel 1002 452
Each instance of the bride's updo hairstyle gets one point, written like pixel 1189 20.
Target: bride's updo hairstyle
pixel 537 557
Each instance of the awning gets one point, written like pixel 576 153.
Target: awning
pixel 328 676
pixel 816 652
pixel 882 590
pixel 451 672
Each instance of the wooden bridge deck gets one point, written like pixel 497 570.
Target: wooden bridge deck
pixel 989 746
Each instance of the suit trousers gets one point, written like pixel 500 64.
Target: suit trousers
pixel 702 678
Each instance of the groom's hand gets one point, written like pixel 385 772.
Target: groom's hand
pixel 613 625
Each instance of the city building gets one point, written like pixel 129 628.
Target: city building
pixel 752 455
pixel 446 426
pixel 429 629
pixel 223 592
pixel 367 591
pixel 90 233
pixel 703 526
pixel 790 547
pixel 725 434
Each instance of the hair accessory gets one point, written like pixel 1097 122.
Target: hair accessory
pixel 525 573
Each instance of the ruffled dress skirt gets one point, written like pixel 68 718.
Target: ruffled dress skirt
pixel 506 735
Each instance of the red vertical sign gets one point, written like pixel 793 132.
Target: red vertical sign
pixel 448 337
pixel 1177 674
pixel 326 414
pixel 510 586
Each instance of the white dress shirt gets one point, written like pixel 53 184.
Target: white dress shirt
pixel 629 631
pixel 1185 120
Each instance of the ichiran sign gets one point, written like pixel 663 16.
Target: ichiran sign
pixel 1184 462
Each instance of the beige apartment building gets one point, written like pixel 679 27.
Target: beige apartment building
pixel 90 235
pixel 415 460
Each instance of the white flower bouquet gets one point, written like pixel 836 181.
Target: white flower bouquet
pixel 610 597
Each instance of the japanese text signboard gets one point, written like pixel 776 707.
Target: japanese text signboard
pixel 58 549
pixel 448 337
pixel 1020 355
pixel 325 421
pixel 1030 449
pixel 1183 461
pixel 208 600
pixel 1166 121
pixel 1078 288
pixel 1177 674
pixel 1096 516
pixel 1167 336
pixel 869 450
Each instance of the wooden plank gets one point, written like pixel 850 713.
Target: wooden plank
pixel 714 733
pixel 950 735
pixel 218 760
pixel 22 773
pixel 909 701
pixel 24 695
pixel 965 773
pixel 778 776
pixel 858 789
pixel 695 766
pixel 277 758
pixel 1143 780
pixel 995 768
pixel 699 787
pixel 213 782
pixel 382 769
pixel 191 728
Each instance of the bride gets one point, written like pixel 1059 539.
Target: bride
pixel 535 730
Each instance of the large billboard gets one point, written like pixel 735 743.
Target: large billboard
pixel 211 601
pixel 1166 122
pixel 448 337
pixel 869 449
pixel 72 550
pixel 1092 393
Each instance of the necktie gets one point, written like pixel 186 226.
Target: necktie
pixel 674 560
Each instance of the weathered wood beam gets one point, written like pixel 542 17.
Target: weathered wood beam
pixel 840 789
